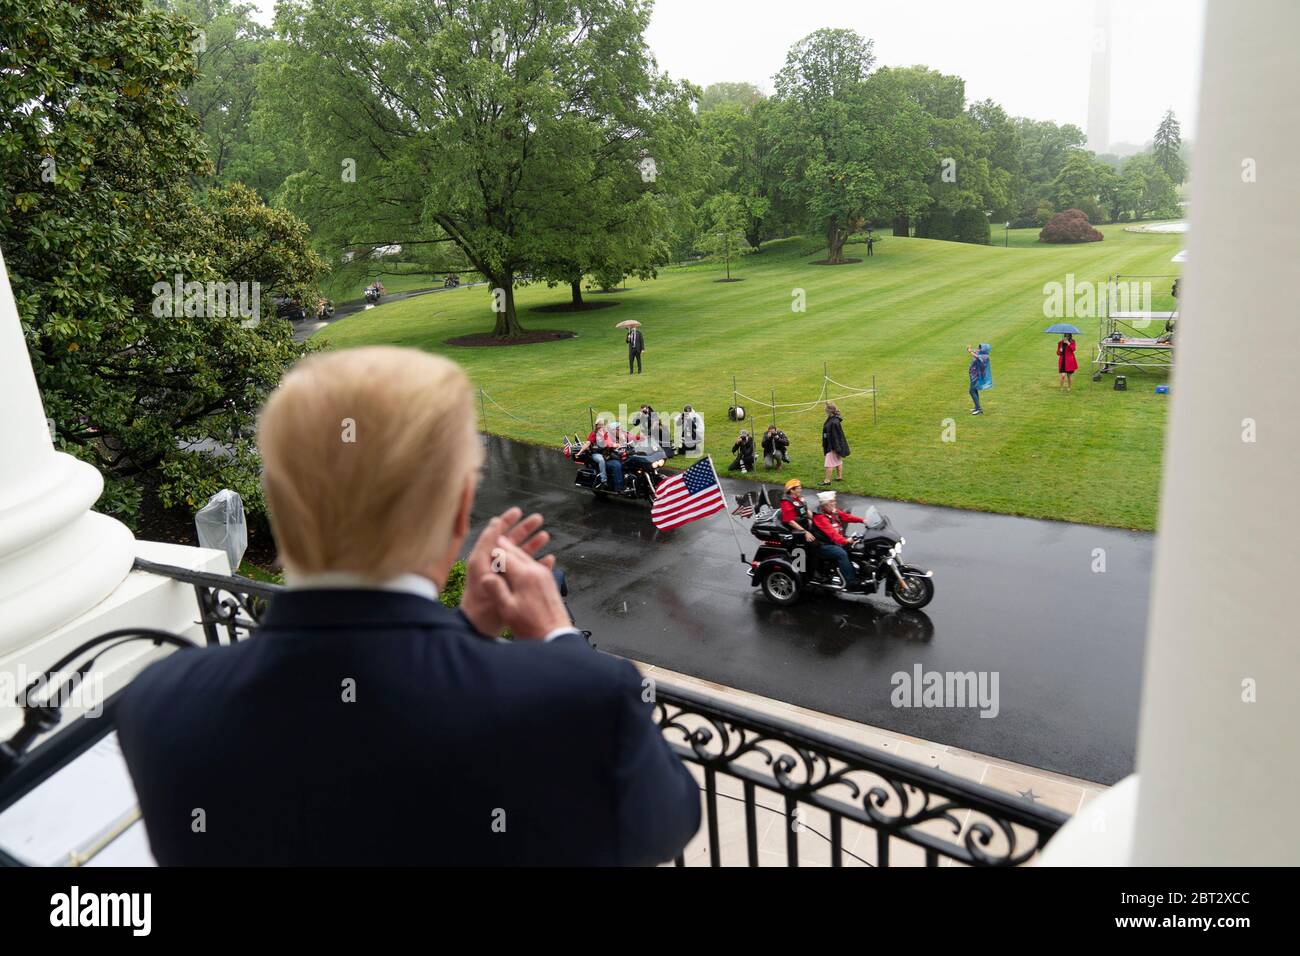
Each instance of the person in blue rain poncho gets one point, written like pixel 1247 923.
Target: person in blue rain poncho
pixel 981 374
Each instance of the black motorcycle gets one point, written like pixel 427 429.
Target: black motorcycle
pixel 372 295
pixel 787 563
pixel 451 282
pixel 641 475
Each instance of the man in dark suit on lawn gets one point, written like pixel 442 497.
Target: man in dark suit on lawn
pixel 365 723
pixel 635 346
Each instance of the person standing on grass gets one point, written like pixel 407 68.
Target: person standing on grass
pixel 1066 363
pixel 834 444
pixel 871 246
pixel 981 375
pixel 635 346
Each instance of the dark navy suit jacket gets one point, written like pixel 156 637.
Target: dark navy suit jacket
pixel 456 749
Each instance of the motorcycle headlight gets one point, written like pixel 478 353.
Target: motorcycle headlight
pixel 901 542
pixel 657 464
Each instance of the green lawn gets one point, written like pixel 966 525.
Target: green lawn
pixel 905 316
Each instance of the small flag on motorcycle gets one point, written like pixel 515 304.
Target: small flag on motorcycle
pixel 745 504
pixel 568 447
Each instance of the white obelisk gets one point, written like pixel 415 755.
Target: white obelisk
pixel 1099 80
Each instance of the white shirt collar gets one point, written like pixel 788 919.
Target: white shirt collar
pixel 349 580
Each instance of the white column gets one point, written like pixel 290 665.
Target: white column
pixel 57 557
pixel 1219 774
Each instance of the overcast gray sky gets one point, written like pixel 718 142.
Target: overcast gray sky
pixel 1032 56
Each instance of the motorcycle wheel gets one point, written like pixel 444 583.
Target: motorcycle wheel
pixel 918 593
pixel 780 586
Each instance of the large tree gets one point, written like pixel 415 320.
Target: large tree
pixel 1167 148
pixel 741 142
pixel 489 122
pixel 967 175
pixel 854 148
pixel 1151 189
pixel 98 152
pixel 227 47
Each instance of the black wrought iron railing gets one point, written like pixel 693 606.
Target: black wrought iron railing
pixel 772 789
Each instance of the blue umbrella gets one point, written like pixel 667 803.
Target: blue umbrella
pixel 1060 328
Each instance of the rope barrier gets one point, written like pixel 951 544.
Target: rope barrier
pixel 788 408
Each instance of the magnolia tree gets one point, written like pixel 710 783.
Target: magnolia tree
pixel 146 308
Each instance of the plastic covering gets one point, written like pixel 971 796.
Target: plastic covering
pixel 221 525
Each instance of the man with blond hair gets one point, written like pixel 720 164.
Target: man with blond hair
pixel 366 724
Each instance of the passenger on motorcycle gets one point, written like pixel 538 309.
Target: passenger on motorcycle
pixel 602 451
pixel 829 523
pixel 794 512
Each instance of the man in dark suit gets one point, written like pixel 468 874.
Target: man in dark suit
pixel 366 724
pixel 635 346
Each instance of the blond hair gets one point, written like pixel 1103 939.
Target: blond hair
pixel 366 455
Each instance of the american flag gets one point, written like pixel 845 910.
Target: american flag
pixel 745 505
pixel 568 447
pixel 684 498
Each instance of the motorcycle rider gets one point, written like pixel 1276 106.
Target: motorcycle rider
pixel 794 511
pixel 601 449
pixel 829 521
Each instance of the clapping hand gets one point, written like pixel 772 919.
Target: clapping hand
pixel 507 585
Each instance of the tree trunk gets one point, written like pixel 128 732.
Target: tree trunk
pixel 503 290
pixel 834 243
pixel 902 227
pixel 576 288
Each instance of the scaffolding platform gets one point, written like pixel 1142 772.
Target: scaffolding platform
pixel 1141 339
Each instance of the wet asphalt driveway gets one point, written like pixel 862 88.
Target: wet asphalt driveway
pixel 1015 597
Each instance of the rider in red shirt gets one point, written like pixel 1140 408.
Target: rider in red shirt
pixel 794 513
pixel 603 452
pixel 831 521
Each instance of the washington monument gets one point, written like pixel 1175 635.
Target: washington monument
pixel 1099 86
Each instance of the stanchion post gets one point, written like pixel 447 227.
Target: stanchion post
pixel 873 399
pixel 773 406
pixel 482 405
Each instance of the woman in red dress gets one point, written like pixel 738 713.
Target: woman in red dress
pixel 1066 363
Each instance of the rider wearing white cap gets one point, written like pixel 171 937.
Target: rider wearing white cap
pixel 830 521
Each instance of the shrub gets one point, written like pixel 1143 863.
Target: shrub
pixel 936 224
pixel 1069 226
pixel 971 225
pixel 451 591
